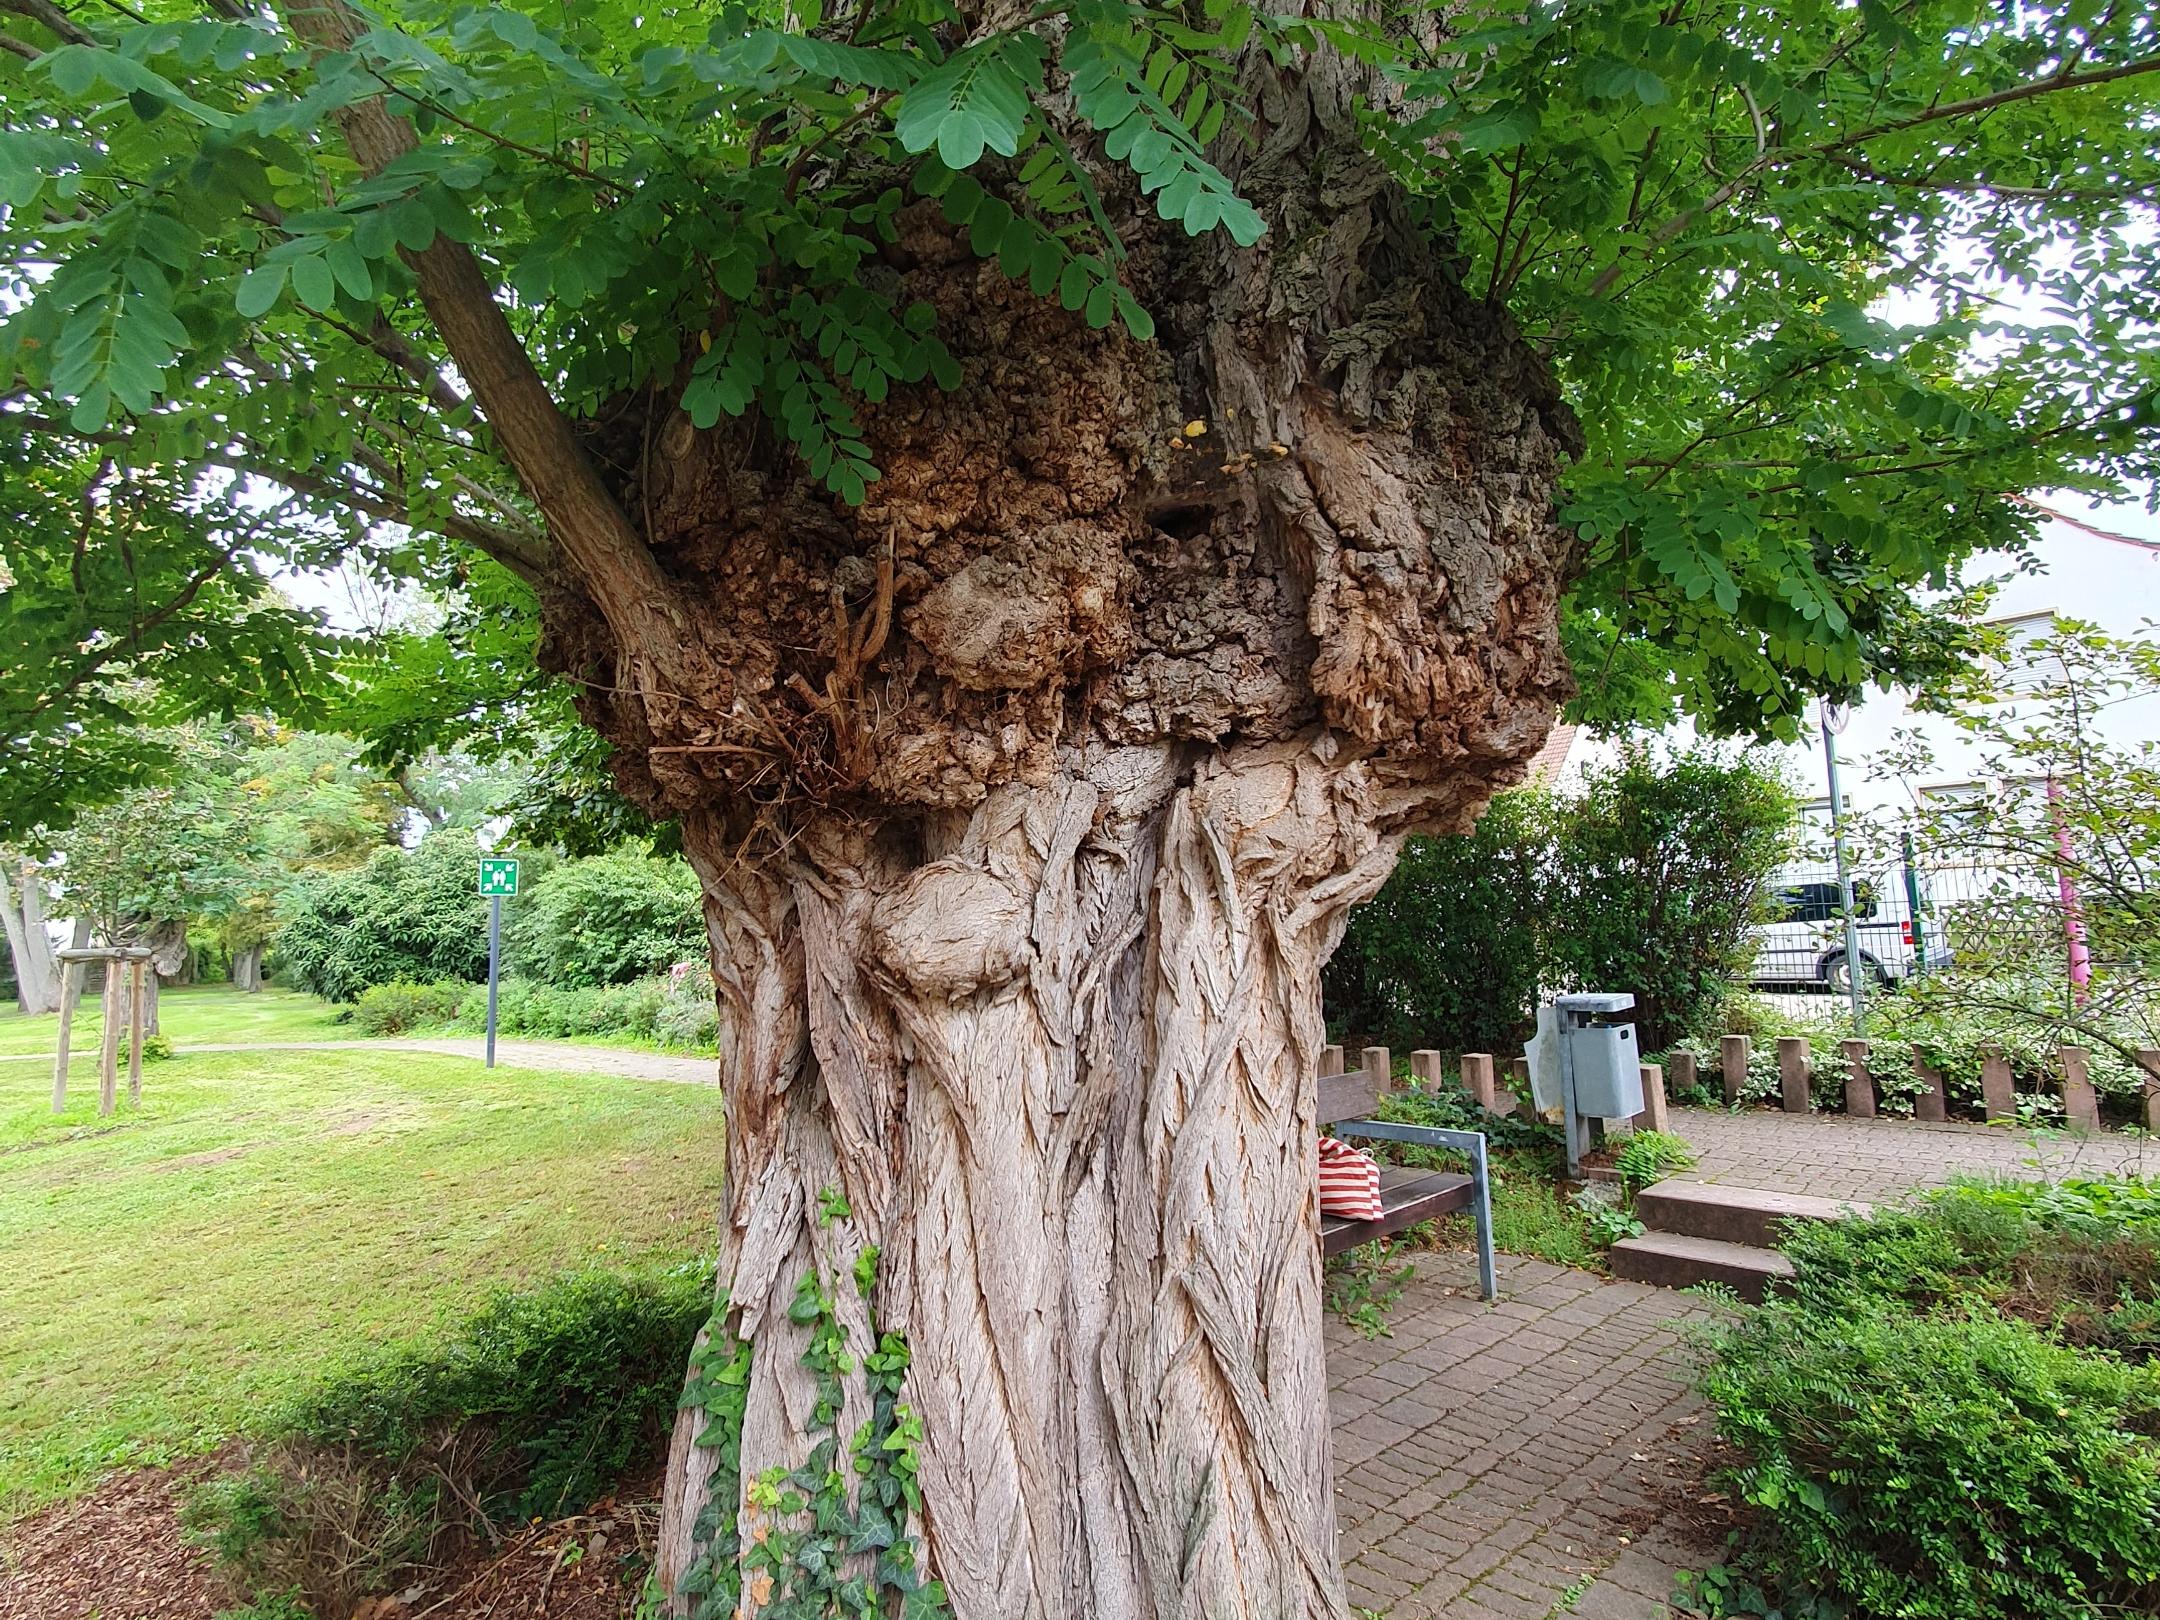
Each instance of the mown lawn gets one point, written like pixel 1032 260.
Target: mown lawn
pixel 201 1014
pixel 165 1273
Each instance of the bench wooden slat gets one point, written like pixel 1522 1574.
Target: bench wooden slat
pixel 1407 1198
pixel 1348 1096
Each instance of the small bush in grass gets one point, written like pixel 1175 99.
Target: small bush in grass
pixel 401 1005
pixel 534 1406
pixel 567 1378
pixel 1952 1465
pixel 306 1531
pixel 155 1048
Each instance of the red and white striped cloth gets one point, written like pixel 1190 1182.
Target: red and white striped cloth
pixel 1349 1181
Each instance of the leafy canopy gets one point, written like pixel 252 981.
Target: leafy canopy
pixel 1826 281
pixel 1695 208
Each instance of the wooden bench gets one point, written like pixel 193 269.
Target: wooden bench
pixel 1407 1197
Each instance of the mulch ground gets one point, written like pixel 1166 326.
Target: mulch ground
pixel 117 1553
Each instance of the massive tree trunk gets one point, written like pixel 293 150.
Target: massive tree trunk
pixel 1028 799
pixel 22 907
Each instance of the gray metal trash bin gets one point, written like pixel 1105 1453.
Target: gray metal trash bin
pixel 1608 1071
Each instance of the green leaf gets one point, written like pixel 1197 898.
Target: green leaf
pixel 972 102
pixel 259 291
pixel 313 283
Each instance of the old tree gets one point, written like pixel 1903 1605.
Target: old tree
pixel 1045 499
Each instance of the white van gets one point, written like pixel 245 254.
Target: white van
pixel 1803 943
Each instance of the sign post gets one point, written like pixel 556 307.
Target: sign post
pixel 498 877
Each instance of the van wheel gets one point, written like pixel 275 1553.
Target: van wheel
pixel 1834 972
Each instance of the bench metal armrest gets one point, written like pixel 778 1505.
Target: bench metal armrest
pixel 1468 1142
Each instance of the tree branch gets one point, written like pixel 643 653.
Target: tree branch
pixel 1769 155
pixel 52 18
pixel 521 553
pixel 609 559
pixel 2065 80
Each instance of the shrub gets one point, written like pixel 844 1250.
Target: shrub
pixel 305 1531
pixel 394 1008
pixel 608 919
pixel 534 1405
pixel 155 1048
pixel 414 915
pixel 1658 877
pixel 1648 881
pixel 1952 1412
pixel 674 1010
pixel 1941 1465
pixel 565 1379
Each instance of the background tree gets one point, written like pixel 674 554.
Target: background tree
pixel 407 914
pixel 1031 725
pixel 23 886
pixel 607 919
pixel 1646 878
pixel 129 600
pixel 2051 881
pixel 1658 876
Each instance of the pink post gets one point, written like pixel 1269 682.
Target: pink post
pixel 2073 911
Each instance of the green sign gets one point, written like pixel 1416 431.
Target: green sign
pixel 498 874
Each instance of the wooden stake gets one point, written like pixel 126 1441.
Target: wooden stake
pixel 136 970
pixel 1997 1090
pixel 1933 1104
pixel 1654 1116
pixel 2081 1105
pixel 71 977
pixel 1477 1074
pixel 109 1048
pixel 1733 1054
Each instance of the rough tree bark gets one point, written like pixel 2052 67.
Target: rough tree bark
pixel 1028 800
pixel 22 907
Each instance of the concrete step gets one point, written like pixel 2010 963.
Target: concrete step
pixel 1672 1261
pixel 1702 1209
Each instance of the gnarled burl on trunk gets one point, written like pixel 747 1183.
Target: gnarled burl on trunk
pixel 1028 799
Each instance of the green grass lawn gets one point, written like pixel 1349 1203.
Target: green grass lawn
pixel 203 1014
pixel 165 1273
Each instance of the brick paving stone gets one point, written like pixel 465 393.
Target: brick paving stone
pixel 1486 1454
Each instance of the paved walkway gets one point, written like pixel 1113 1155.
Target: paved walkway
pixel 1879 1160
pixel 627 1062
pixel 1516 1461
